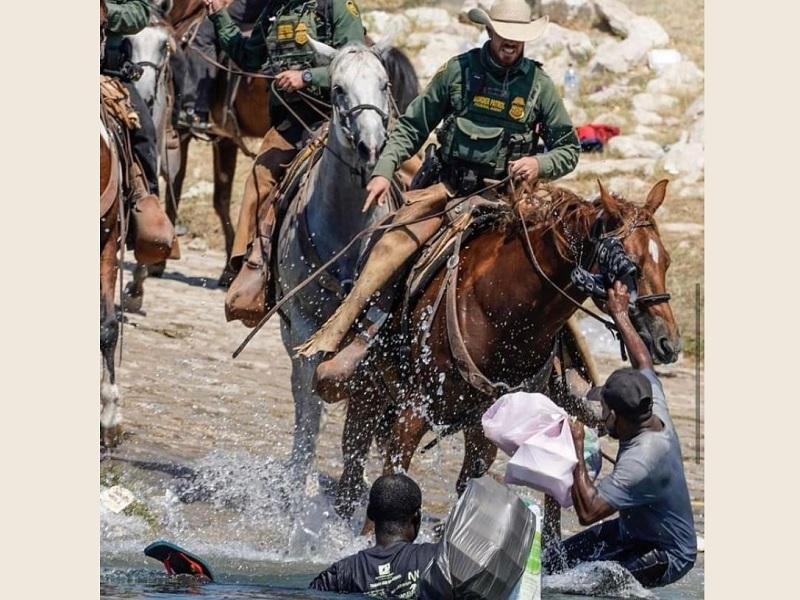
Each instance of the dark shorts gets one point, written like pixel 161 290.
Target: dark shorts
pixel 603 542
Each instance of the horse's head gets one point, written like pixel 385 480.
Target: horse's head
pixel 360 98
pixel 151 49
pixel 636 228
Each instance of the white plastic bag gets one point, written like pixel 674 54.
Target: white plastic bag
pixel 514 418
pixel 545 462
pixel 536 434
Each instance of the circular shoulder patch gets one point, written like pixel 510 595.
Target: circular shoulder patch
pixel 517 110
pixel 351 8
pixel 301 34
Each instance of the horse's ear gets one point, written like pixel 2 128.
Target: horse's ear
pixel 656 196
pixel 610 204
pixel 383 45
pixel 324 52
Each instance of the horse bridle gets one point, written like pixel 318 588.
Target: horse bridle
pixel 598 233
pixel 347 113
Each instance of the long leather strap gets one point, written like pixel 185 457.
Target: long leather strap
pixel 458 347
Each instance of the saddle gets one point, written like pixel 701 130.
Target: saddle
pixel 116 100
pixel 465 219
pixel 290 198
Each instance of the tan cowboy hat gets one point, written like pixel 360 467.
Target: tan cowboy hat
pixel 511 19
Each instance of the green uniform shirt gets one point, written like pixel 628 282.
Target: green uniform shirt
pixel 445 96
pixel 251 53
pixel 125 17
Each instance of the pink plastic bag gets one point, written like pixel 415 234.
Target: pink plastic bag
pixel 535 433
pixel 514 418
pixel 545 462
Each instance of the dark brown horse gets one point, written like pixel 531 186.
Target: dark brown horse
pixel 110 240
pixel 248 117
pixel 509 317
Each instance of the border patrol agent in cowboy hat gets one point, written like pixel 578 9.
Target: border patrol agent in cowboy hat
pixel 493 105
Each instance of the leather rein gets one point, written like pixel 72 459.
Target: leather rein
pixel 597 234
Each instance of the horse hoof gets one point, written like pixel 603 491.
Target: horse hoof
pixel 132 304
pixel 157 269
pixel 110 438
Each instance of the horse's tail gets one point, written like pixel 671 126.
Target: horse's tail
pixel 405 83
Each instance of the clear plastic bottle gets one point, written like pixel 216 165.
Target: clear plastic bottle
pixel 571 83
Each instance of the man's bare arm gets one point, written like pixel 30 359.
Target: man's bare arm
pixel 589 505
pixel 618 299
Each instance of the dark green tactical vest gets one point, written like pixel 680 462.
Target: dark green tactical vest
pixel 286 34
pixel 492 124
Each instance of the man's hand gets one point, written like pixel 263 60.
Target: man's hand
pixel 618 299
pixel 527 168
pixel 576 429
pixel 216 5
pixel 377 188
pixel 290 81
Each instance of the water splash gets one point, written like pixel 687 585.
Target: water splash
pixel 237 506
pixel 607 579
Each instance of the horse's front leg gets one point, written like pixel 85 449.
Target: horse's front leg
pixel 363 415
pixel 479 455
pixel 407 432
pixel 307 415
pixel 110 404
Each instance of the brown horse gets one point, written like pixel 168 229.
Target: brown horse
pixel 509 316
pixel 248 117
pixel 110 240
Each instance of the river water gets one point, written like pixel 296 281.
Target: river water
pixel 206 437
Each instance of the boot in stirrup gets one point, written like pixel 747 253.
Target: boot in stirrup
pixel 154 231
pixel 331 376
pixel 246 300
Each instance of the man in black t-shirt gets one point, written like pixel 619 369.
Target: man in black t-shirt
pixel 391 568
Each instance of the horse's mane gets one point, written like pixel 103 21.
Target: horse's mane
pixel 564 214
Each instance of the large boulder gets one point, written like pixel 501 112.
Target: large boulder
pixel 629 146
pixel 429 18
pixel 384 25
pixel 646 117
pixel 556 40
pixel 435 50
pixel 608 94
pixel 469 5
pixel 616 16
pixel 611 118
pixel 685 159
pixel 696 108
pixel 681 78
pixel 581 14
pixel 625 23
pixel 697 131
pixel 620 57
pixel 654 103
pixel 607 166
pixel 640 35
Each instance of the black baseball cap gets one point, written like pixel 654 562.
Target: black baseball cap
pixel 628 393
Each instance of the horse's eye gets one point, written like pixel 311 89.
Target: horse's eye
pixel 385 86
pixel 337 89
